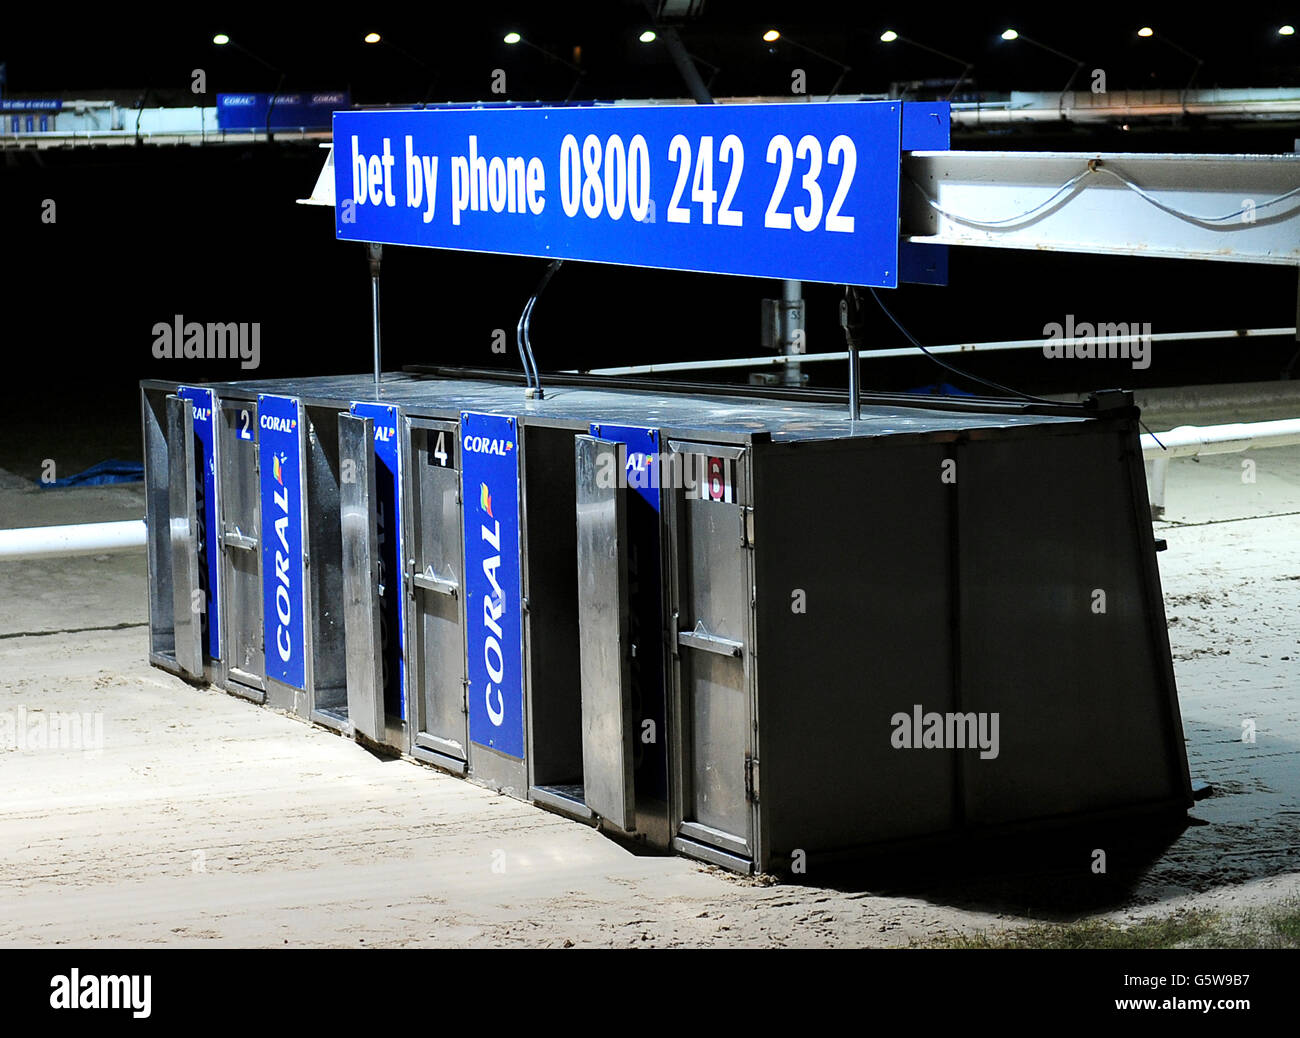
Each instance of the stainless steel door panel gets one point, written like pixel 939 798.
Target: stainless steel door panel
pixel 720 739
pixel 604 620
pixel 240 525
pixel 187 594
pixel 436 594
pixel 713 625
pixel 361 576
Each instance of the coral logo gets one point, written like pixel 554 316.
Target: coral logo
pixel 486 445
pixel 494 607
pixel 283 602
pixel 277 467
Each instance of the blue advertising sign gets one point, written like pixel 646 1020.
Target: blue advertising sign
pixel 642 466
pixel 805 191
pixel 494 618
pixel 388 523
pixel 14 104
pixel 206 469
pixel 927 126
pixel 284 604
pixel 289 111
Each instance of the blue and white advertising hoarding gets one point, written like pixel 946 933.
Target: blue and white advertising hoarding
pixel 206 485
pixel 18 104
pixel 805 191
pixel 284 602
pixel 493 612
pixel 388 526
pixel 305 111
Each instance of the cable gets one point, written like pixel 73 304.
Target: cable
pixel 519 338
pixel 1191 217
pixel 957 371
pixel 526 343
pixel 1010 219
pixel 521 331
pixel 967 374
pixel 1096 166
pixel 1152 435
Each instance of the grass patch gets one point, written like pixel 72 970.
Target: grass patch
pixel 1286 923
pixel 1277 926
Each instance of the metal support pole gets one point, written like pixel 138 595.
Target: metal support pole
pixel 792 330
pixel 1157 479
pixel 270 107
pixel 851 322
pixel 855 396
pixel 685 66
pixel 376 255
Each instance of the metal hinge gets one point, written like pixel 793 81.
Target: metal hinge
pixel 746 527
pixel 751 778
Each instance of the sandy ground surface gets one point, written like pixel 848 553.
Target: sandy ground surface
pixel 207 820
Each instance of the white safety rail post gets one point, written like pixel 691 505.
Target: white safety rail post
pixel 912 351
pixel 1188 441
pixel 38 542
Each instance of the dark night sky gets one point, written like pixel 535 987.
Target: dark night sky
pixel 213 234
pixel 461 43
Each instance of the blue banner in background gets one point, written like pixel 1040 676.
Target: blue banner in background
pixel 493 616
pixel 807 191
pixel 13 104
pixel 290 111
pixel 205 470
pixel 388 524
pixel 279 451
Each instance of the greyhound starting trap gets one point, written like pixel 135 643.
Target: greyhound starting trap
pixel 738 627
